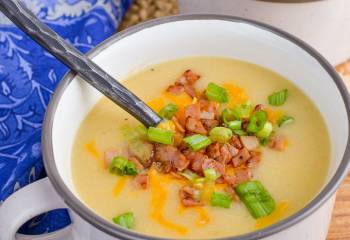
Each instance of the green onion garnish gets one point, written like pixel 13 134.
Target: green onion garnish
pixel 220 134
pixel 257 121
pixel 234 125
pixel 210 174
pixel 197 141
pixel 228 115
pixel 266 131
pixel 168 111
pixel 285 120
pixel 216 93
pixel 220 200
pixel 125 220
pixel 160 136
pixel 242 111
pixel 122 166
pixel 240 132
pixel 256 198
pixel 189 175
pixel 278 98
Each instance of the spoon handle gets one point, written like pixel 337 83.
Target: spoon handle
pixel 78 62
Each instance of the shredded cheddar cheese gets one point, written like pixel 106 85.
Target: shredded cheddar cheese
pixel 91 148
pixel 159 197
pixel 273 115
pixel 237 94
pixel 119 186
pixel 203 216
pixel 274 217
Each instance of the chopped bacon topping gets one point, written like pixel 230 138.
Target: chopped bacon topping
pixel 142 180
pixel 185 84
pixel 241 158
pixel 190 197
pixel 250 142
pixel 278 142
pixel 170 154
pixel 195 126
pixel 137 162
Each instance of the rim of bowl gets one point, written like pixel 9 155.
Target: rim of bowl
pixel 112 229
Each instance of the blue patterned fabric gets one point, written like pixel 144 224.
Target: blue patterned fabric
pixel 28 77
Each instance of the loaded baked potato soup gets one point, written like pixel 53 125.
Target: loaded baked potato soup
pixel 240 148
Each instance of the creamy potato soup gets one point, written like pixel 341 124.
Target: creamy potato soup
pixel 239 149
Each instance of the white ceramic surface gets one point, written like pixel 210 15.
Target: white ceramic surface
pixel 323 24
pixel 205 37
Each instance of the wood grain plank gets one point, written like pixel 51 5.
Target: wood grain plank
pixel 340 226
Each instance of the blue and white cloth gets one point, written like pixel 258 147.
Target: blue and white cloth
pixel 28 77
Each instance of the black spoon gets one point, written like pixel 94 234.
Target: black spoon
pixel 78 62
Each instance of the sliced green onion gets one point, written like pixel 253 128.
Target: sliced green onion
pixel 126 220
pixel 220 200
pixel 256 198
pixel 266 131
pixel 220 134
pixel 257 121
pixel 168 111
pixel 278 98
pixel 197 141
pixel 189 175
pixel 216 93
pixel 199 183
pixel 234 125
pixel 285 120
pixel 122 166
pixel 160 136
pixel 210 174
pixel 242 111
pixel 240 132
pixel 264 141
pixel 228 115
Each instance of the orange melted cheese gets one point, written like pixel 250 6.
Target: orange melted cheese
pixel 91 148
pixel 158 200
pixel 237 94
pixel 119 186
pixel 274 217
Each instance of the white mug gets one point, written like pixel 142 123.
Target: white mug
pixel 165 39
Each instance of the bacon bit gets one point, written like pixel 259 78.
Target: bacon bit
pixel 278 142
pixel 195 126
pixel 137 162
pixel 242 156
pixel 109 155
pixel 211 163
pixel 175 89
pixel 190 77
pixel 220 180
pixel 209 124
pixel 234 141
pixel 177 176
pixel 231 191
pixel 213 150
pixel 250 142
pixel 189 89
pixel 209 109
pixel 254 161
pixel 196 160
pixel 142 181
pixel 258 107
pixel 242 175
pixel 167 153
pixel 178 125
pixel 233 151
pixel 225 154
pixel 190 196
pixel 193 111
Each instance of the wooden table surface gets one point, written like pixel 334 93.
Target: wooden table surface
pixel 340 226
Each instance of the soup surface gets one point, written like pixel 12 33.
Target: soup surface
pixel 293 175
